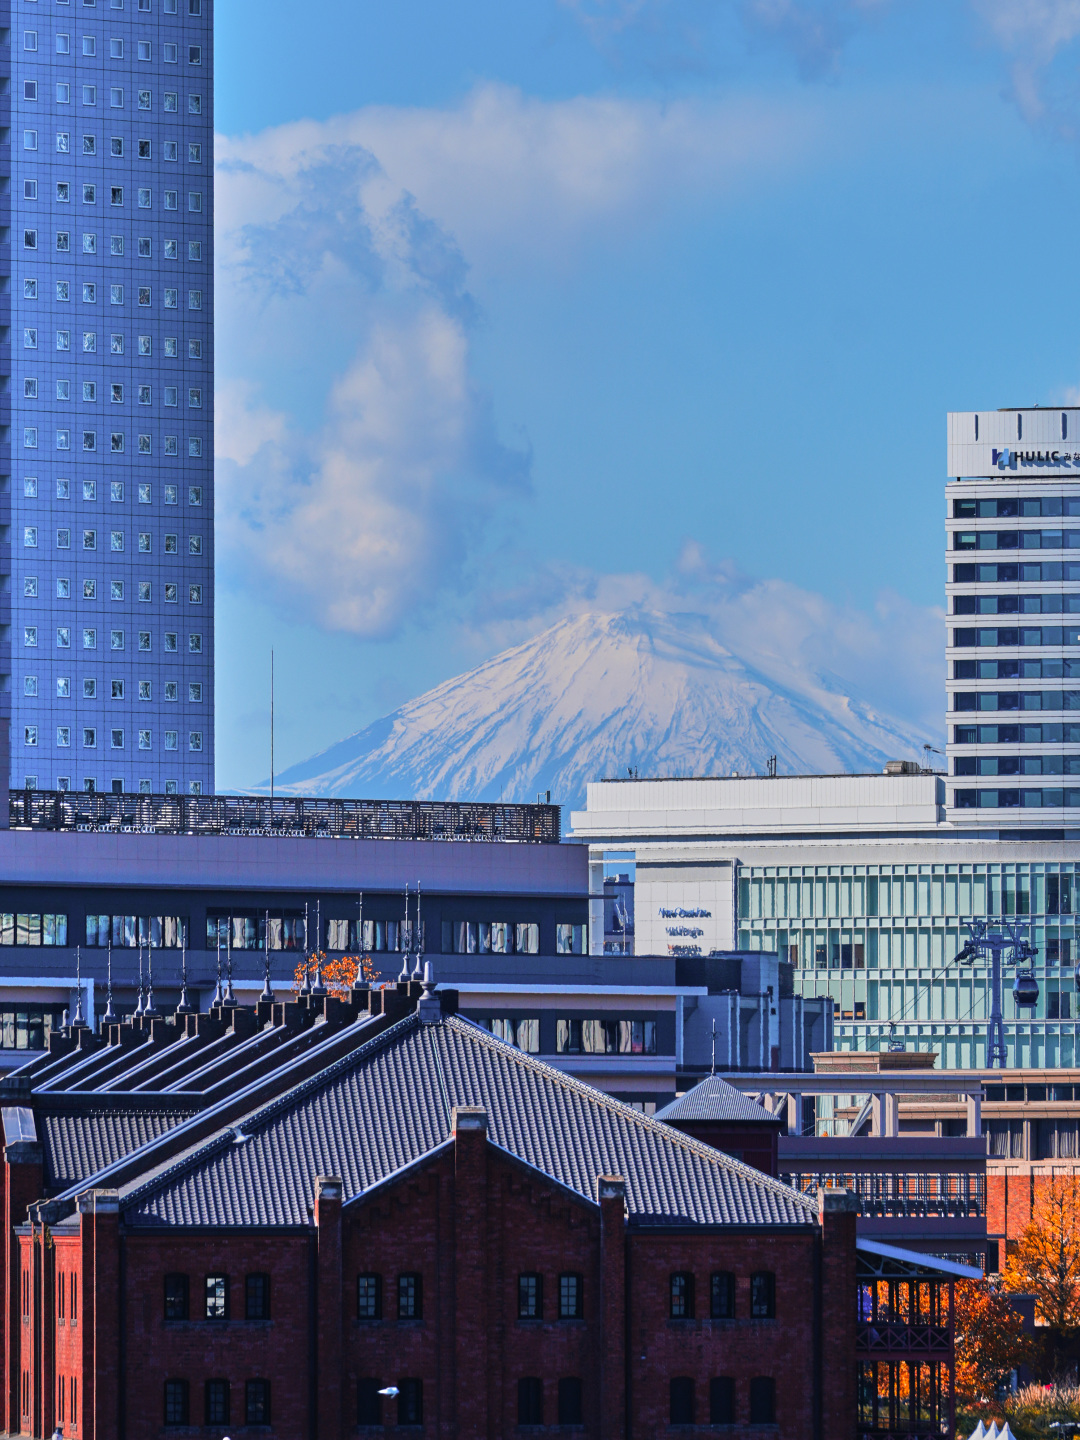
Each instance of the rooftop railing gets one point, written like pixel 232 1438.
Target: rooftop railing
pixel 79 810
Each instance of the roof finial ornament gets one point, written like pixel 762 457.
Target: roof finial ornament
pixel 110 1017
pixel 305 989
pixel 267 996
pixel 79 1022
pixel 150 1008
pixel 418 940
pixel 714 1046
pixel 139 1003
pixel 318 988
pixel 185 1007
pixel 358 978
pixel 404 942
pixel 230 998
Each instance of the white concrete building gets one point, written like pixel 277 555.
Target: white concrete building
pixel 862 883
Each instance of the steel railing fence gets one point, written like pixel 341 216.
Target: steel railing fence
pixel 286 816
pixel 900 1195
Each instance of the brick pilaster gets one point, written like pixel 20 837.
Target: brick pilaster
pixel 23 1182
pixel 474 1415
pixel 329 1310
pixel 104 1317
pixel 613 1338
pixel 838 1318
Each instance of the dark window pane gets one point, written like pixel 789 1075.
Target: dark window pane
pixel 530 1297
pixel 410 1405
pixel 722 1400
pixel 257 1402
pixel 369 1297
pixel 369 1402
pixel 570 1401
pixel 217 1297
pixel 763 1295
pixel 722 1296
pixel 410 1297
pixel 176 1297
pixel 762 1400
pixel 176 1402
pixel 682 1296
pixel 530 1401
pixel 217 1402
pixel 682 1400
pixel 570 1297
pixel 257 1297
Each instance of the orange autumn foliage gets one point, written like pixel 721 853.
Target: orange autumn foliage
pixel 990 1339
pixel 1046 1259
pixel 338 976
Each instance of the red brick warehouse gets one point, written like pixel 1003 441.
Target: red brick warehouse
pixel 436 1213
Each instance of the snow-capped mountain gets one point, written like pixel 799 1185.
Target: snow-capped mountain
pixel 595 695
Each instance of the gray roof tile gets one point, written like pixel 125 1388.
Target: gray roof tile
pixel 714 1099
pixel 388 1104
pixel 80 1144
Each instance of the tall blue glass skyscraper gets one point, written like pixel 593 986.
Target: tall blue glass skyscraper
pixel 108 445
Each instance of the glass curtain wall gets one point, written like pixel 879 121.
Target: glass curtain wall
pixel 880 941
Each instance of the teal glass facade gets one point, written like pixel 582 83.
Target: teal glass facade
pixel 879 940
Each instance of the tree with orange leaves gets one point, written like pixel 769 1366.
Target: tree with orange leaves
pixel 990 1339
pixel 338 976
pixel 1046 1260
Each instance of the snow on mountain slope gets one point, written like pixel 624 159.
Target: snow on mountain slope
pixel 594 695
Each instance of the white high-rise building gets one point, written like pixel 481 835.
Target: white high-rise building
pixel 1013 587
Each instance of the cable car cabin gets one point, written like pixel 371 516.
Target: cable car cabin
pixel 905 1344
pixel 1025 989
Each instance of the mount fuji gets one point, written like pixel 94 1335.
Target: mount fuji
pixel 596 695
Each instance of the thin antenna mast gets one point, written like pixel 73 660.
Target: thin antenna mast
pixel 271 737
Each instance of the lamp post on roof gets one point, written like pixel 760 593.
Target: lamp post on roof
pixel 983 942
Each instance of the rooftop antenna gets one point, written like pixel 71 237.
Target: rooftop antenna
pixel 418 943
pixel 79 1022
pixel 185 1007
pixel 219 994
pixel 271 739
pixel 714 1047
pixel 110 1017
pixel 267 995
pixel 230 998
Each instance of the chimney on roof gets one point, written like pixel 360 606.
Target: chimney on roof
pixel 468 1117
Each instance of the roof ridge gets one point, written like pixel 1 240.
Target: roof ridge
pixel 687 1142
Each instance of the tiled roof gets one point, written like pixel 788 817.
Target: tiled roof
pixel 714 1099
pixel 78 1145
pixel 389 1103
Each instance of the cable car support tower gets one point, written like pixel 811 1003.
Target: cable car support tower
pixel 1007 935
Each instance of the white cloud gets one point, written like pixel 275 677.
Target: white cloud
pixel 1034 34
pixel 504 169
pixel 358 462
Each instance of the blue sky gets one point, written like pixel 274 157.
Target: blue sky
pixel 527 308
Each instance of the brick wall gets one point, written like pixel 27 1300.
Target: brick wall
pixel 468 1220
